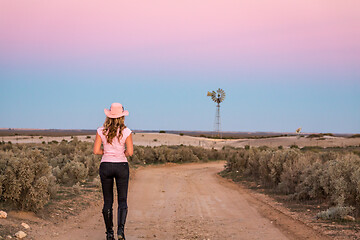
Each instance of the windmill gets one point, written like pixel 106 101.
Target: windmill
pixel 217 96
pixel 298 132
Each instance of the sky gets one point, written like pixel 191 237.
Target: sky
pixel 283 64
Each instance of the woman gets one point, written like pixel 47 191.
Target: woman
pixel 114 135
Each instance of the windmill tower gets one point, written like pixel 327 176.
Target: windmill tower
pixel 217 96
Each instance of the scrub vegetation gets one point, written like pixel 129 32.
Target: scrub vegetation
pixel 332 176
pixel 32 174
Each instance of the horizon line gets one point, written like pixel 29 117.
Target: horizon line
pixel 158 130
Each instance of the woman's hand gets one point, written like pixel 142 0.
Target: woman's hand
pixel 97 145
pixel 129 146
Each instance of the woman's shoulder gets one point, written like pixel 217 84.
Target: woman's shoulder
pixel 99 130
pixel 126 132
pixel 127 129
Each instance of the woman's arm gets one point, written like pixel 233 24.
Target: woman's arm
pixel 129 146
pixel 97 145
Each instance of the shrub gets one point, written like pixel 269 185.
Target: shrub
pixel 312 148
pixel 138 156
pixel 72 173
pixel 6 147
pixel 335 213
pixel 76 188
pixel 201 153
pixel 26 180
pixel 162 131
pixel 215 154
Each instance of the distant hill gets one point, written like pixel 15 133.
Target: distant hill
pixel 45 132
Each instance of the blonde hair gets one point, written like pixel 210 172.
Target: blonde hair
pixel 111 127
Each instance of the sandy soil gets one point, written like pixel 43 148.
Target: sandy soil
pixel 188 201
pixel 157 139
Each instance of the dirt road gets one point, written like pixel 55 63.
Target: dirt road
pixel 186 201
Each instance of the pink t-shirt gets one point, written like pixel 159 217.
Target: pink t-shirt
pixel 114 152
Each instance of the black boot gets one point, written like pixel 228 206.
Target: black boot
pixel 108 219
pixel 122 212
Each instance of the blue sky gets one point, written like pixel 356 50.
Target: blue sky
pixel 70 100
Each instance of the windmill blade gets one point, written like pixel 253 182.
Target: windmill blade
pixel 213 97
pixel 221 95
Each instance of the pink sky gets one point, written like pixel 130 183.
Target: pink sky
pixel 206 33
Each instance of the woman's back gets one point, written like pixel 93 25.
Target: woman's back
pixel 114 152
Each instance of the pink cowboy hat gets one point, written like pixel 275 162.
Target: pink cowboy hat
pixel 116 111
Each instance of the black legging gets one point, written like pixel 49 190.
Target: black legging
pixel 120 171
